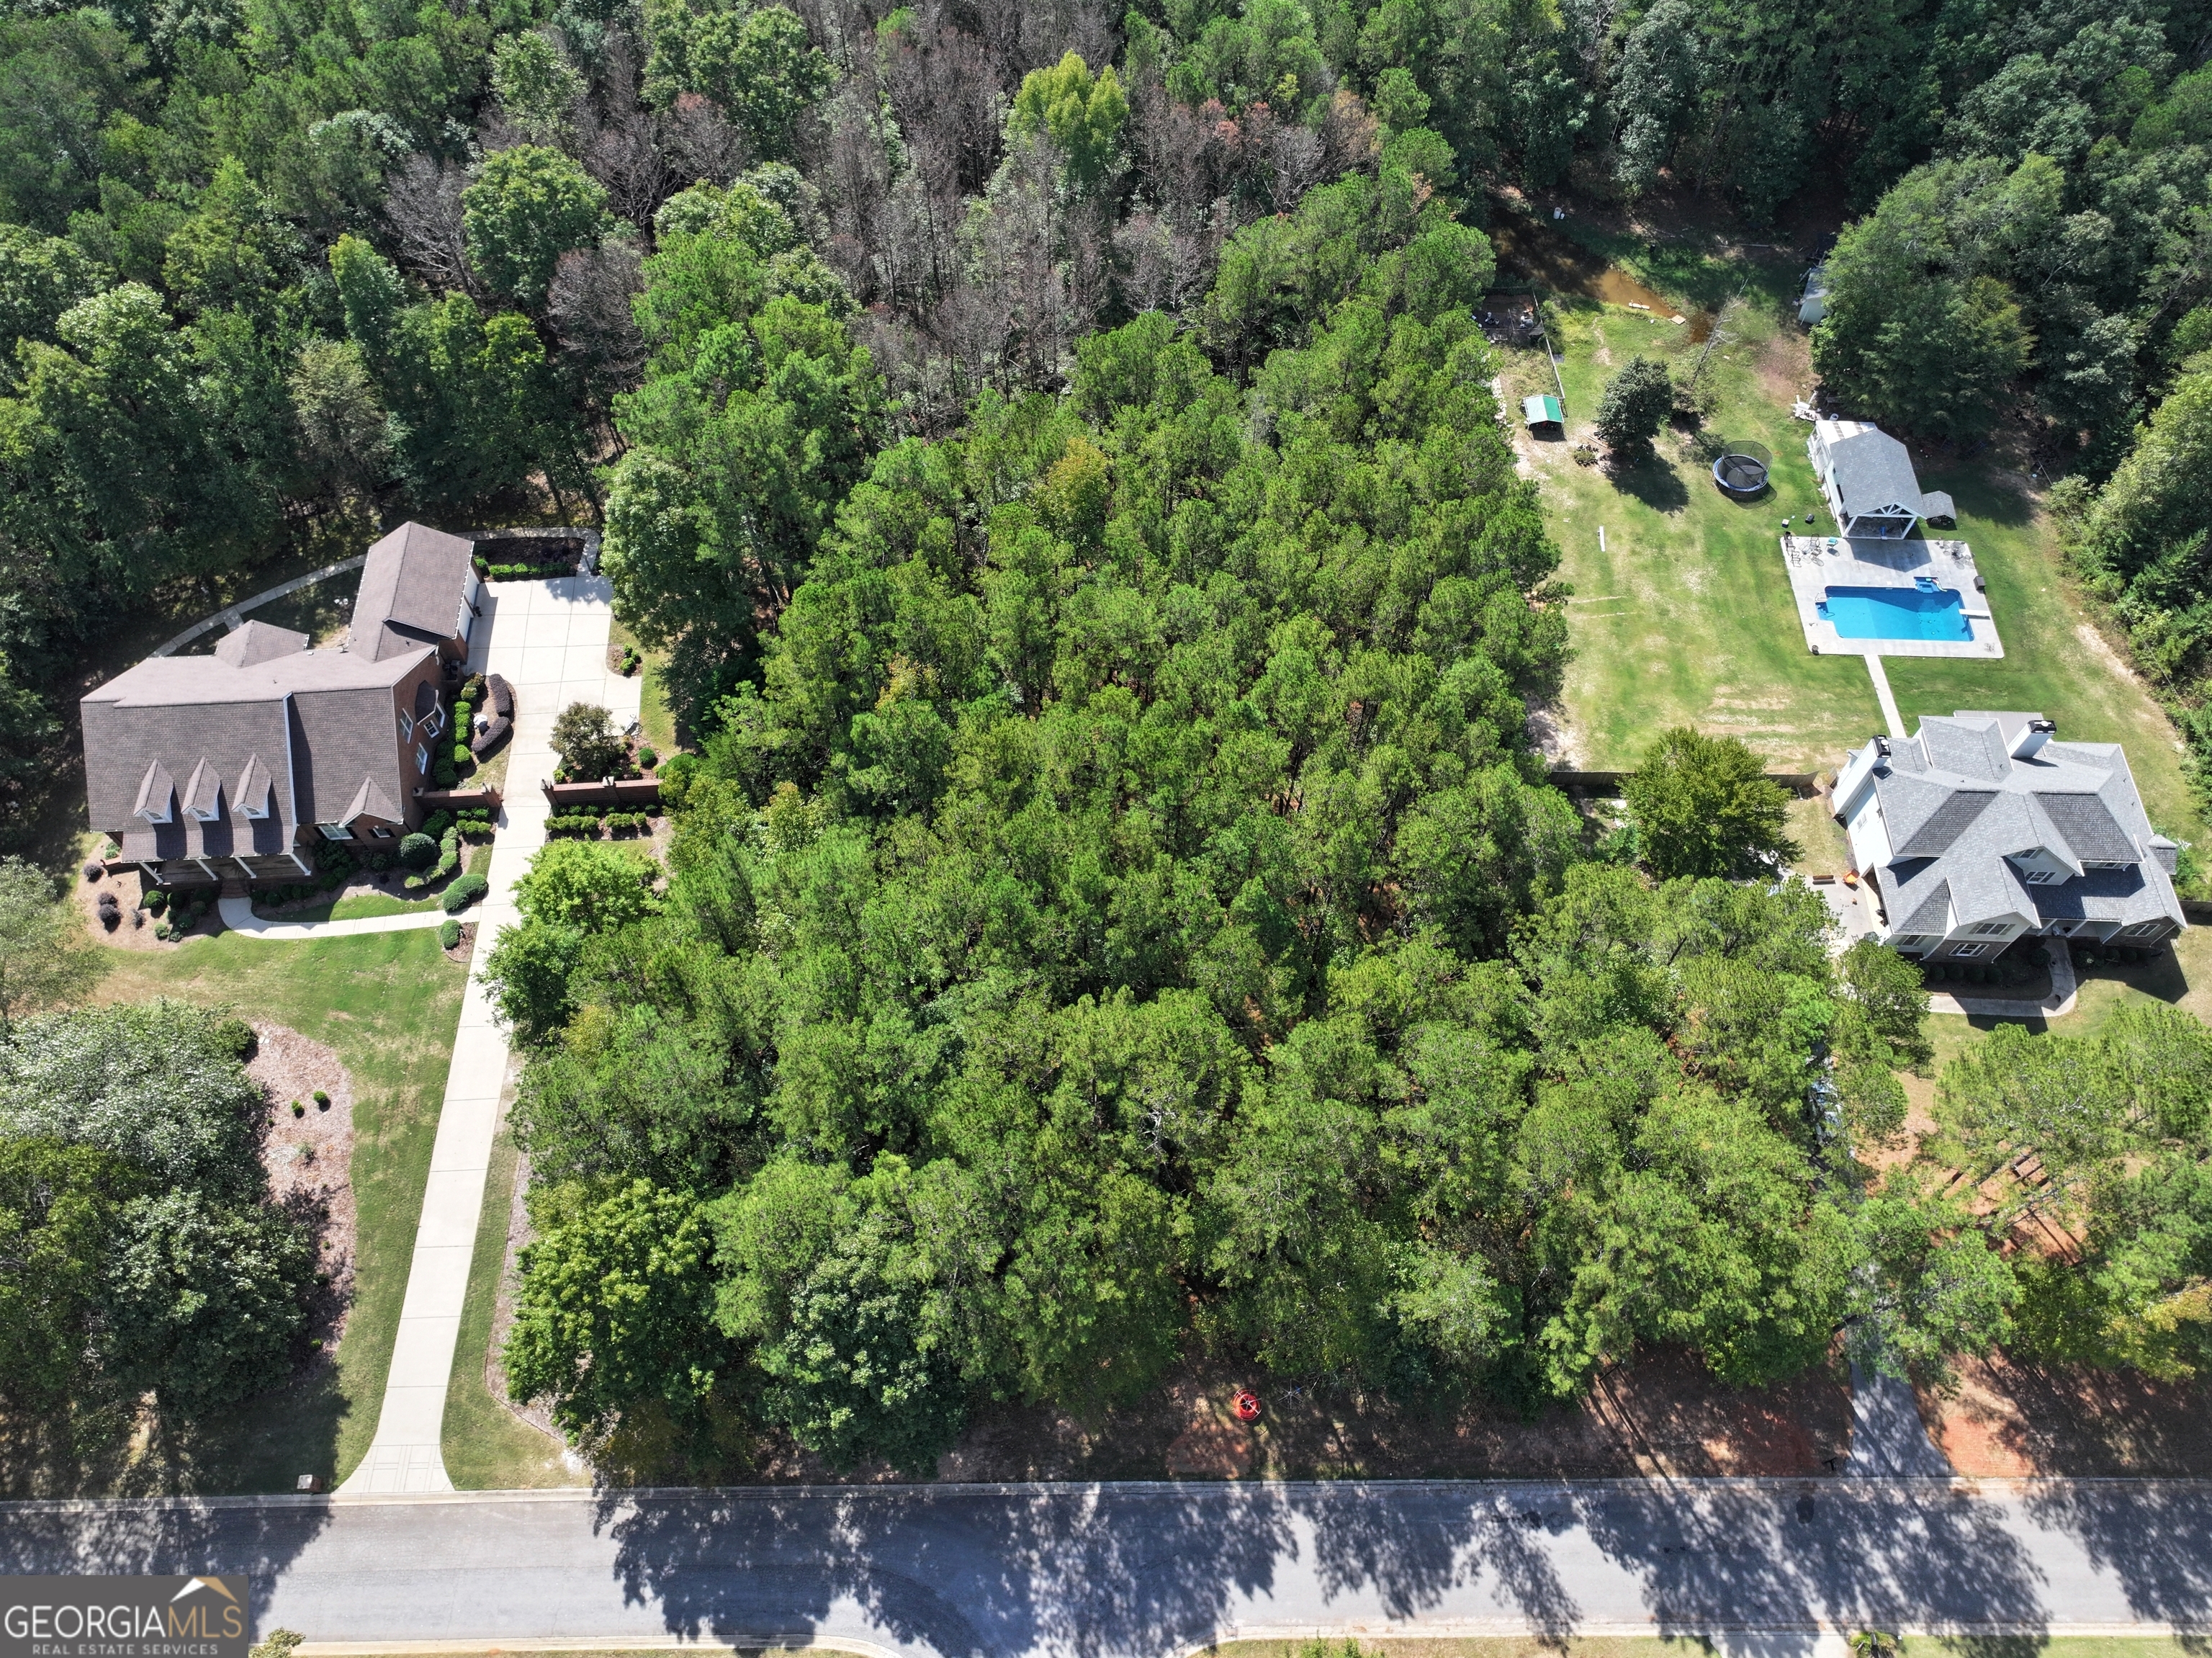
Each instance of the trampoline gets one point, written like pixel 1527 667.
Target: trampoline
pixel 1741 475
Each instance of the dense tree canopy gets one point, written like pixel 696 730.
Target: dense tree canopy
pixel 138 1251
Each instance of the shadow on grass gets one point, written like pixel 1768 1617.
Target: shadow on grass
pixel 261 1445
pixel 1654 483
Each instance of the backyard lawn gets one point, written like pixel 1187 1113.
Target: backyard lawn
pixel 389 1003
pixel 1685 615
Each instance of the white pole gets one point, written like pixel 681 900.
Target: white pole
pixel 1601 537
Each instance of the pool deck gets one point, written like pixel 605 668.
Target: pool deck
pixel 1817 562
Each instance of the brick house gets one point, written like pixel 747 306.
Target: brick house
pixel 239 765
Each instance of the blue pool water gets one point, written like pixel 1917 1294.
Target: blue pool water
pixel 1897 613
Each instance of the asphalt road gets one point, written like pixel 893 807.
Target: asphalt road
pixel 1155 1569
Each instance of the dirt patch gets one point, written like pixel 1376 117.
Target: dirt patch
pixel 1784 367
pixel 1553 736
pixel 133 924
pixel 309 1155
pixel 2008 1417
pixel 2099 646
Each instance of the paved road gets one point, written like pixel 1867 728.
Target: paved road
pixel 1154 1569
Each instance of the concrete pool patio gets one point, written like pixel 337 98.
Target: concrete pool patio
pixel 1819 564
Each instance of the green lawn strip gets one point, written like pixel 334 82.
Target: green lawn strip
pixel 389 1004
pixel 656 719
pixel 486 1448
pixel 1685 617
pixel 357 906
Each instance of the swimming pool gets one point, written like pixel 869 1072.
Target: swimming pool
pixel 1897 613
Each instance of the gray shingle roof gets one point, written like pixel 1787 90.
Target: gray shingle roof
pixel 1872 470
pixel 257 642
pixel 1958 808
pixel 242 734
pixel 411 591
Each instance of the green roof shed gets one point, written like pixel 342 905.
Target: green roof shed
pixel 1542 411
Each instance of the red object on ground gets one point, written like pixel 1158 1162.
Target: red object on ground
pixel 1246 1406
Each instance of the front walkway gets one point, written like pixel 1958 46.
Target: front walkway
pixel 238 915
pixel 550 640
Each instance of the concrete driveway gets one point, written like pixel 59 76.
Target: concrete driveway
pixel 1155 1569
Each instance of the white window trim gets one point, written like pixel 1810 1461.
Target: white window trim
pixel 1968 949
pixel 423 760
pixel 335 832
pixel 1992 928
pixel 406 726
pixel 2039 877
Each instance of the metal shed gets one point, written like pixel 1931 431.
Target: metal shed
pixel 1542 411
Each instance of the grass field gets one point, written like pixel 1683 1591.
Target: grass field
pixel 1685 615
pixel 389 1003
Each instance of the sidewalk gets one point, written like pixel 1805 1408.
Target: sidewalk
pixel 238 915
pixel 550 640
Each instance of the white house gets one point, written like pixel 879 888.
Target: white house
pixel 1868 478
pixel 1983 827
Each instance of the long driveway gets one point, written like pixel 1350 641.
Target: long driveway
pixel 548 640
pixel 1152 1570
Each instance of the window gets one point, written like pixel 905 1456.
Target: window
pixel 422 759
pixel 1992 928
pixel 2041 877
pixel 379 832
pixel 2102 863
pixel 434 720
pixel 1911 941
pixel 1969 949
pixel 406 726
pixel 335 832
pixel 2141 928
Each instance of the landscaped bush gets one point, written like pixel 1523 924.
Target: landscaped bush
pixel 443 773
pixel 461 756
pixel 157 901
pixel 646 756
pixel 573 823
pixel 449 934
pixel 234 1037
pixel 584 737
pixel 464 892
pixel 418 851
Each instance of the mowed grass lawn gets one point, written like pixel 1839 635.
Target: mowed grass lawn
pixel 389 1004
pixel 1685 617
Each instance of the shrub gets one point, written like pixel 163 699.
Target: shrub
pixel 157 901
pixel 299 1110
pixel 418 851
pixel 449 934
pixel 584 737
pixel 162 929
pixel 235 1037
pixel 322 1099
pixel 93 871
pixel 464 892
pixel 646 756
pixel 437 823
pixel 461 756
pixel 443 773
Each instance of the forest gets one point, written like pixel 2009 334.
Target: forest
pixel 1116 903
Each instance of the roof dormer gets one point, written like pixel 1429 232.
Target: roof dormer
pixel 202 795
pixel 252 795
pixel 157 794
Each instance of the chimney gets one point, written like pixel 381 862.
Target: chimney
pixel 2031 737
